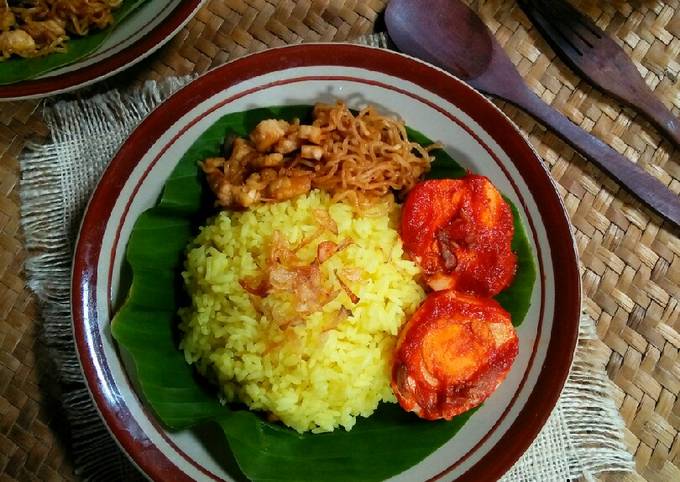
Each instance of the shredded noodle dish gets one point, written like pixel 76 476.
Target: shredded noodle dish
pixel 34 28
pixel 358 159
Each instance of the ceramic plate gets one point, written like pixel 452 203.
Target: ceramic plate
pixel 474 132
pixel 147 29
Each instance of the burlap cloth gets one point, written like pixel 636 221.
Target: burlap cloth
pixel 630 261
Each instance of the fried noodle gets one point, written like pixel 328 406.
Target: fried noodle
pixel 358 159
pixel 33 28
pixel 366 156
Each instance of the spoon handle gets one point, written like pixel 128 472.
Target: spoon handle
pixel 642 184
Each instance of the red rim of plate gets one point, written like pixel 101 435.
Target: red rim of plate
pixel 564 335
pixel 107 66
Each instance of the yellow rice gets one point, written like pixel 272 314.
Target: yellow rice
pixel 316 375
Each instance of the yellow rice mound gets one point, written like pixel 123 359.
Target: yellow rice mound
pixel 326 368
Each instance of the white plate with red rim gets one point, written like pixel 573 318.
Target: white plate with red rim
pixel 474 132
pixel 146 30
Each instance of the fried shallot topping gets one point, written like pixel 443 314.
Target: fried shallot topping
pixel 286 274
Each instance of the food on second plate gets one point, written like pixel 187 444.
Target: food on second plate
pixel 452 354
pixel 33 28
pixel 296 308
pixel 358 158
pixel 460 233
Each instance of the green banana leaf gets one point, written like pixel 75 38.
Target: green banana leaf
pixel 516 299
pixel 385 444
pixel 18 69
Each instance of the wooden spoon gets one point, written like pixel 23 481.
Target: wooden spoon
pixel 449 34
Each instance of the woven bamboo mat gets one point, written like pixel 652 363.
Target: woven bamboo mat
pixel 631 263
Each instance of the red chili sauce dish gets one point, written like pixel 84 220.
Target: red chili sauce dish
pixel 459 231
pixel 460 344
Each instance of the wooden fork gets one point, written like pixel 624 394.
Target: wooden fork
pixel 598 58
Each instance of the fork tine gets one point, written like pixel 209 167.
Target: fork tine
pixel 579 23
pixel 542 15
pixel 580 34
pixel 602 60
pixel 588 25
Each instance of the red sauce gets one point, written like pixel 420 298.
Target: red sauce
pixel 452 354
pixel 460 233
pixel 460 344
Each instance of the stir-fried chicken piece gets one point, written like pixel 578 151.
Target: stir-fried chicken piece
pixel 311 134
pixel 16 42
pixel 285 188
pixel 267 133
pixel 287 144
pixel 275 159
pixel 46 31
pixel 7 18
pixel 311 152
pixel 261 167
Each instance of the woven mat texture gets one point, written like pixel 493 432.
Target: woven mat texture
pixel 630 261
